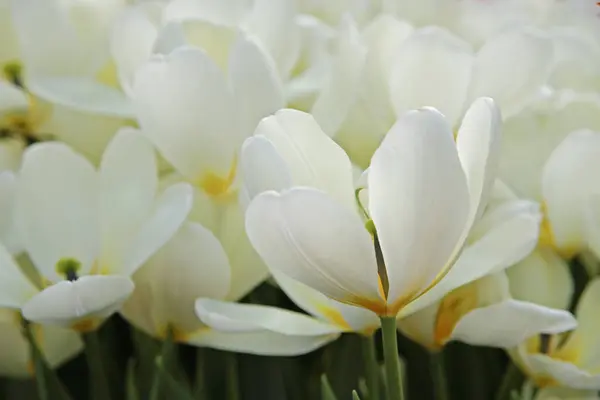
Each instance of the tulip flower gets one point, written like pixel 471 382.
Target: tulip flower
pixel 566 359
pixel 87 231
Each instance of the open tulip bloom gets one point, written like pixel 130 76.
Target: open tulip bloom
pixel 87 231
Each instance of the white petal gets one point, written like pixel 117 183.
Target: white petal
pixel 68 303
pixel 420 326
pixel 542 278
pixel 587 331
pixel 565 373
pixel 59 345
pixel 170 211
pixel 131 42
pixel 513 235
pixel 227 12
pixel 184 106
pixel 15 288
pixel 256 84
pixel 12 98
pixel 313 159
pixel 11 151
pixel 190 265
pixel 509 323
pixel 307 236
pixel 82 94
pixel 8 234
pixel 349 318
pixel 511 68
pixel 263 343
pixel 568 179
pixel 478 145
pixel 432 68
pixel 416 167
pixel 237 317
pixel 340 91
pixel 128 184
pixel 57 214
pixel 262 168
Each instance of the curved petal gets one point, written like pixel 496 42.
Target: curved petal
pixel 312 158
pixel 56 208
pixel 568 179
pixel 15 288
pixel 432 68
pixel 414 168
pixel 169 212
pixel 564 373
pixel 128 184
pixel 59 345
pixel 511 68
pixel 587 331
pixel 509 323
pixel 185 107
pixel 262 168
pixel 347 317
pixel 264 343
pixel 81 94
pixel 190 265
pixel 8 234
pixel 256 85
pixel 513 235
pixel 80 304
pixel 306 235
pixel 340 91
pixel 478 145
pixel 543 278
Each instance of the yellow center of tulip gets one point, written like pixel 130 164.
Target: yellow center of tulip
pixel 453 307
pixel 218 186
pixel 558 347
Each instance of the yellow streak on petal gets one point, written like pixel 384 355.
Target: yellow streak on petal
pixel 547 238
pixel 215 185
pixel 454 306
pixel 86 325
pixel 108 75
pixel 334 316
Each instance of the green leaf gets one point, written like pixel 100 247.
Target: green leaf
pixel 355 395
pixel 326 390
pixel 175 390
pixel 132 392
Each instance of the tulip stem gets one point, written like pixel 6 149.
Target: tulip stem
pixel 513 378
pixel 93 353
pixel 231 365
pixel 438 375
pixel 371 367
pixel 392 362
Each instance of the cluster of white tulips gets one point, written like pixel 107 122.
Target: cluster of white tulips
pixel 427 167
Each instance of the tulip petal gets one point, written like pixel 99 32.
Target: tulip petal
pixel 8 234
pixel 569 177
pixel 69 303
pixel 262 168
pixel 478 145
pixel 170 211
pixel 256 84
pixel 432 68
pixel 56 208
pixel 128 184
pixel 313 159
pixel 587 331
pixel 513 235
pixel 509 323
pixel 511 68
pixel 226 12
pixel 184 105
pixel 190 265
pixel 306 235
pixel 564 373
pixel 15 288
pixel 414 169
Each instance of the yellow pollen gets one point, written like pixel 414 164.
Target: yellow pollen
pixel 454 306
pixel 215 185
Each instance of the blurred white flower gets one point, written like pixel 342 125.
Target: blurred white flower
pixel 320 241
pixel 86 231
pixel 558 393
pixel 568 359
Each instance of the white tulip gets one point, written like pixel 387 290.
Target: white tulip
pixel 313 238
pixel 86 231
pixel 567 359
pixel 558 393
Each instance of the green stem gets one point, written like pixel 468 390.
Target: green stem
pixel 233 391
pixel 38 363
pixel 93 353
pixel 438 375
pixel 513 378
pixel 199 381
pixel 371 367
pixel 162 360
pixel 392 363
